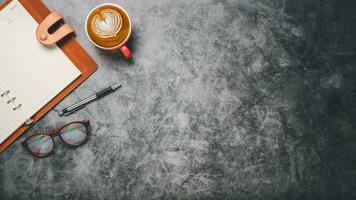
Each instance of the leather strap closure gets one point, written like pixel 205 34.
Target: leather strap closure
pixel 47 38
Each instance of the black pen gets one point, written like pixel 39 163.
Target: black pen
pixel 81 104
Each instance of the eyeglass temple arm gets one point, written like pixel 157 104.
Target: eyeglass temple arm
pixel 55 130
pixel 50 131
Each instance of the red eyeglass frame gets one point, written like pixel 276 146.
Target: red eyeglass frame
pixel 54 133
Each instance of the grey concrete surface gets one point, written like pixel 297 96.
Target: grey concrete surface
pixel 223 99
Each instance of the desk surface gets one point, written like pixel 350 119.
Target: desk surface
pixel 222 99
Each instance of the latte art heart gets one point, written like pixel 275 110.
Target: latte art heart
pixel 108 24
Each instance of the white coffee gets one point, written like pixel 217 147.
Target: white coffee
pixel 108 24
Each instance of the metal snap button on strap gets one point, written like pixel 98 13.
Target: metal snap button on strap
pixel 43 36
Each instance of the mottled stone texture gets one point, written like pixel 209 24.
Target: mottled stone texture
pixel 223 99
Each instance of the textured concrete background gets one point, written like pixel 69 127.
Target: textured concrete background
pixel 223 99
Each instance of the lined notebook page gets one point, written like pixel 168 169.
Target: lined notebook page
pixel 9 119
pixel 33 73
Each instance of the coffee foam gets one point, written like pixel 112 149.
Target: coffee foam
pixel 107 24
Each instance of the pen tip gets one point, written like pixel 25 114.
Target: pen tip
pixel 114 87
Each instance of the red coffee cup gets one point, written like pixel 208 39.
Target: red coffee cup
pixel 122 46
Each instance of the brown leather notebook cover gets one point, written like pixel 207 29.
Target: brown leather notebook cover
pixel 73 51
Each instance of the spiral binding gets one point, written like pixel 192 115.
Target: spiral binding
pixel 10 100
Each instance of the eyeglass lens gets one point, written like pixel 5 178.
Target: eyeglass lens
pixel 74 134
pixel 40 145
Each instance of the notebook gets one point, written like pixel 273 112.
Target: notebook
pixel 31 74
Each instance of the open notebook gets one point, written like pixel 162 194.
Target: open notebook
pixel 31 74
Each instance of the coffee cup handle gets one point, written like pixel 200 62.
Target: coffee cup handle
pixel 126 51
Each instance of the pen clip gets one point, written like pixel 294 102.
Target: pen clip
pixel 74 110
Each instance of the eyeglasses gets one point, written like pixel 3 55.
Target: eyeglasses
pixel 73 134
